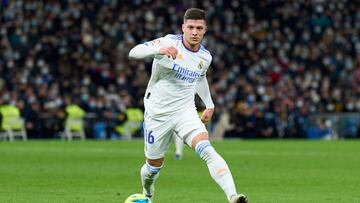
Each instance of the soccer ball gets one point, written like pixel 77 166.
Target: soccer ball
pixel 137 198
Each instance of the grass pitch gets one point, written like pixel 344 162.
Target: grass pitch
pixel 96 171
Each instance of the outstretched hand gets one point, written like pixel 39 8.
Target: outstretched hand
pixel 169 51
pixel 206 115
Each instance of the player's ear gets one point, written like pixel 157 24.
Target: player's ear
pixel 183 27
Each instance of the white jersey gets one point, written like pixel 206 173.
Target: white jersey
pixel 172 85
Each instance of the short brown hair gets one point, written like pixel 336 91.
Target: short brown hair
pixel 195 14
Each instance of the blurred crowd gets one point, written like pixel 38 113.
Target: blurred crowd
pixel 275 63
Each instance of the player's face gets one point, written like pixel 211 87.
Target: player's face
pixel 194 31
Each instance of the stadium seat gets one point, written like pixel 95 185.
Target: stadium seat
pixel 12 125
pixel 133 123
pixel 74 123
pixel 74 127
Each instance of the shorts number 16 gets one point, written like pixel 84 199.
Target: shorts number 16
pixel 149 136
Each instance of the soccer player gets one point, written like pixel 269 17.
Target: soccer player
pixel 179 70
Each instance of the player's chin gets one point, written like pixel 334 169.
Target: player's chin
pixel 195 42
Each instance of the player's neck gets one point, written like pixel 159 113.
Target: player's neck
pixel 193 48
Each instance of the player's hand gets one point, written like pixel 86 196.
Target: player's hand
pixel 169 51
pixel 206 115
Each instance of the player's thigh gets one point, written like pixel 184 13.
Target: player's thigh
pixel 188 126
pixel 157 137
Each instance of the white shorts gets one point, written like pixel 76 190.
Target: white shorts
pixel 158 132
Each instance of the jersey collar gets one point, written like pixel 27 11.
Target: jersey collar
pixel 182 41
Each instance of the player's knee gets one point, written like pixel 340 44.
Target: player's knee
pixel 154 165
pixel 155 162
pixel 204 136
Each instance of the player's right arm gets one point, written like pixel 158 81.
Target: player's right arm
pixel 142 51
pixel 152 49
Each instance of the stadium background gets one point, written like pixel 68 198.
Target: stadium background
pixel 280 68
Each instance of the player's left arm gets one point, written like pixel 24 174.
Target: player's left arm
pixel 203 90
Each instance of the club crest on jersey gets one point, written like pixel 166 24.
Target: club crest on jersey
pixel 201 65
